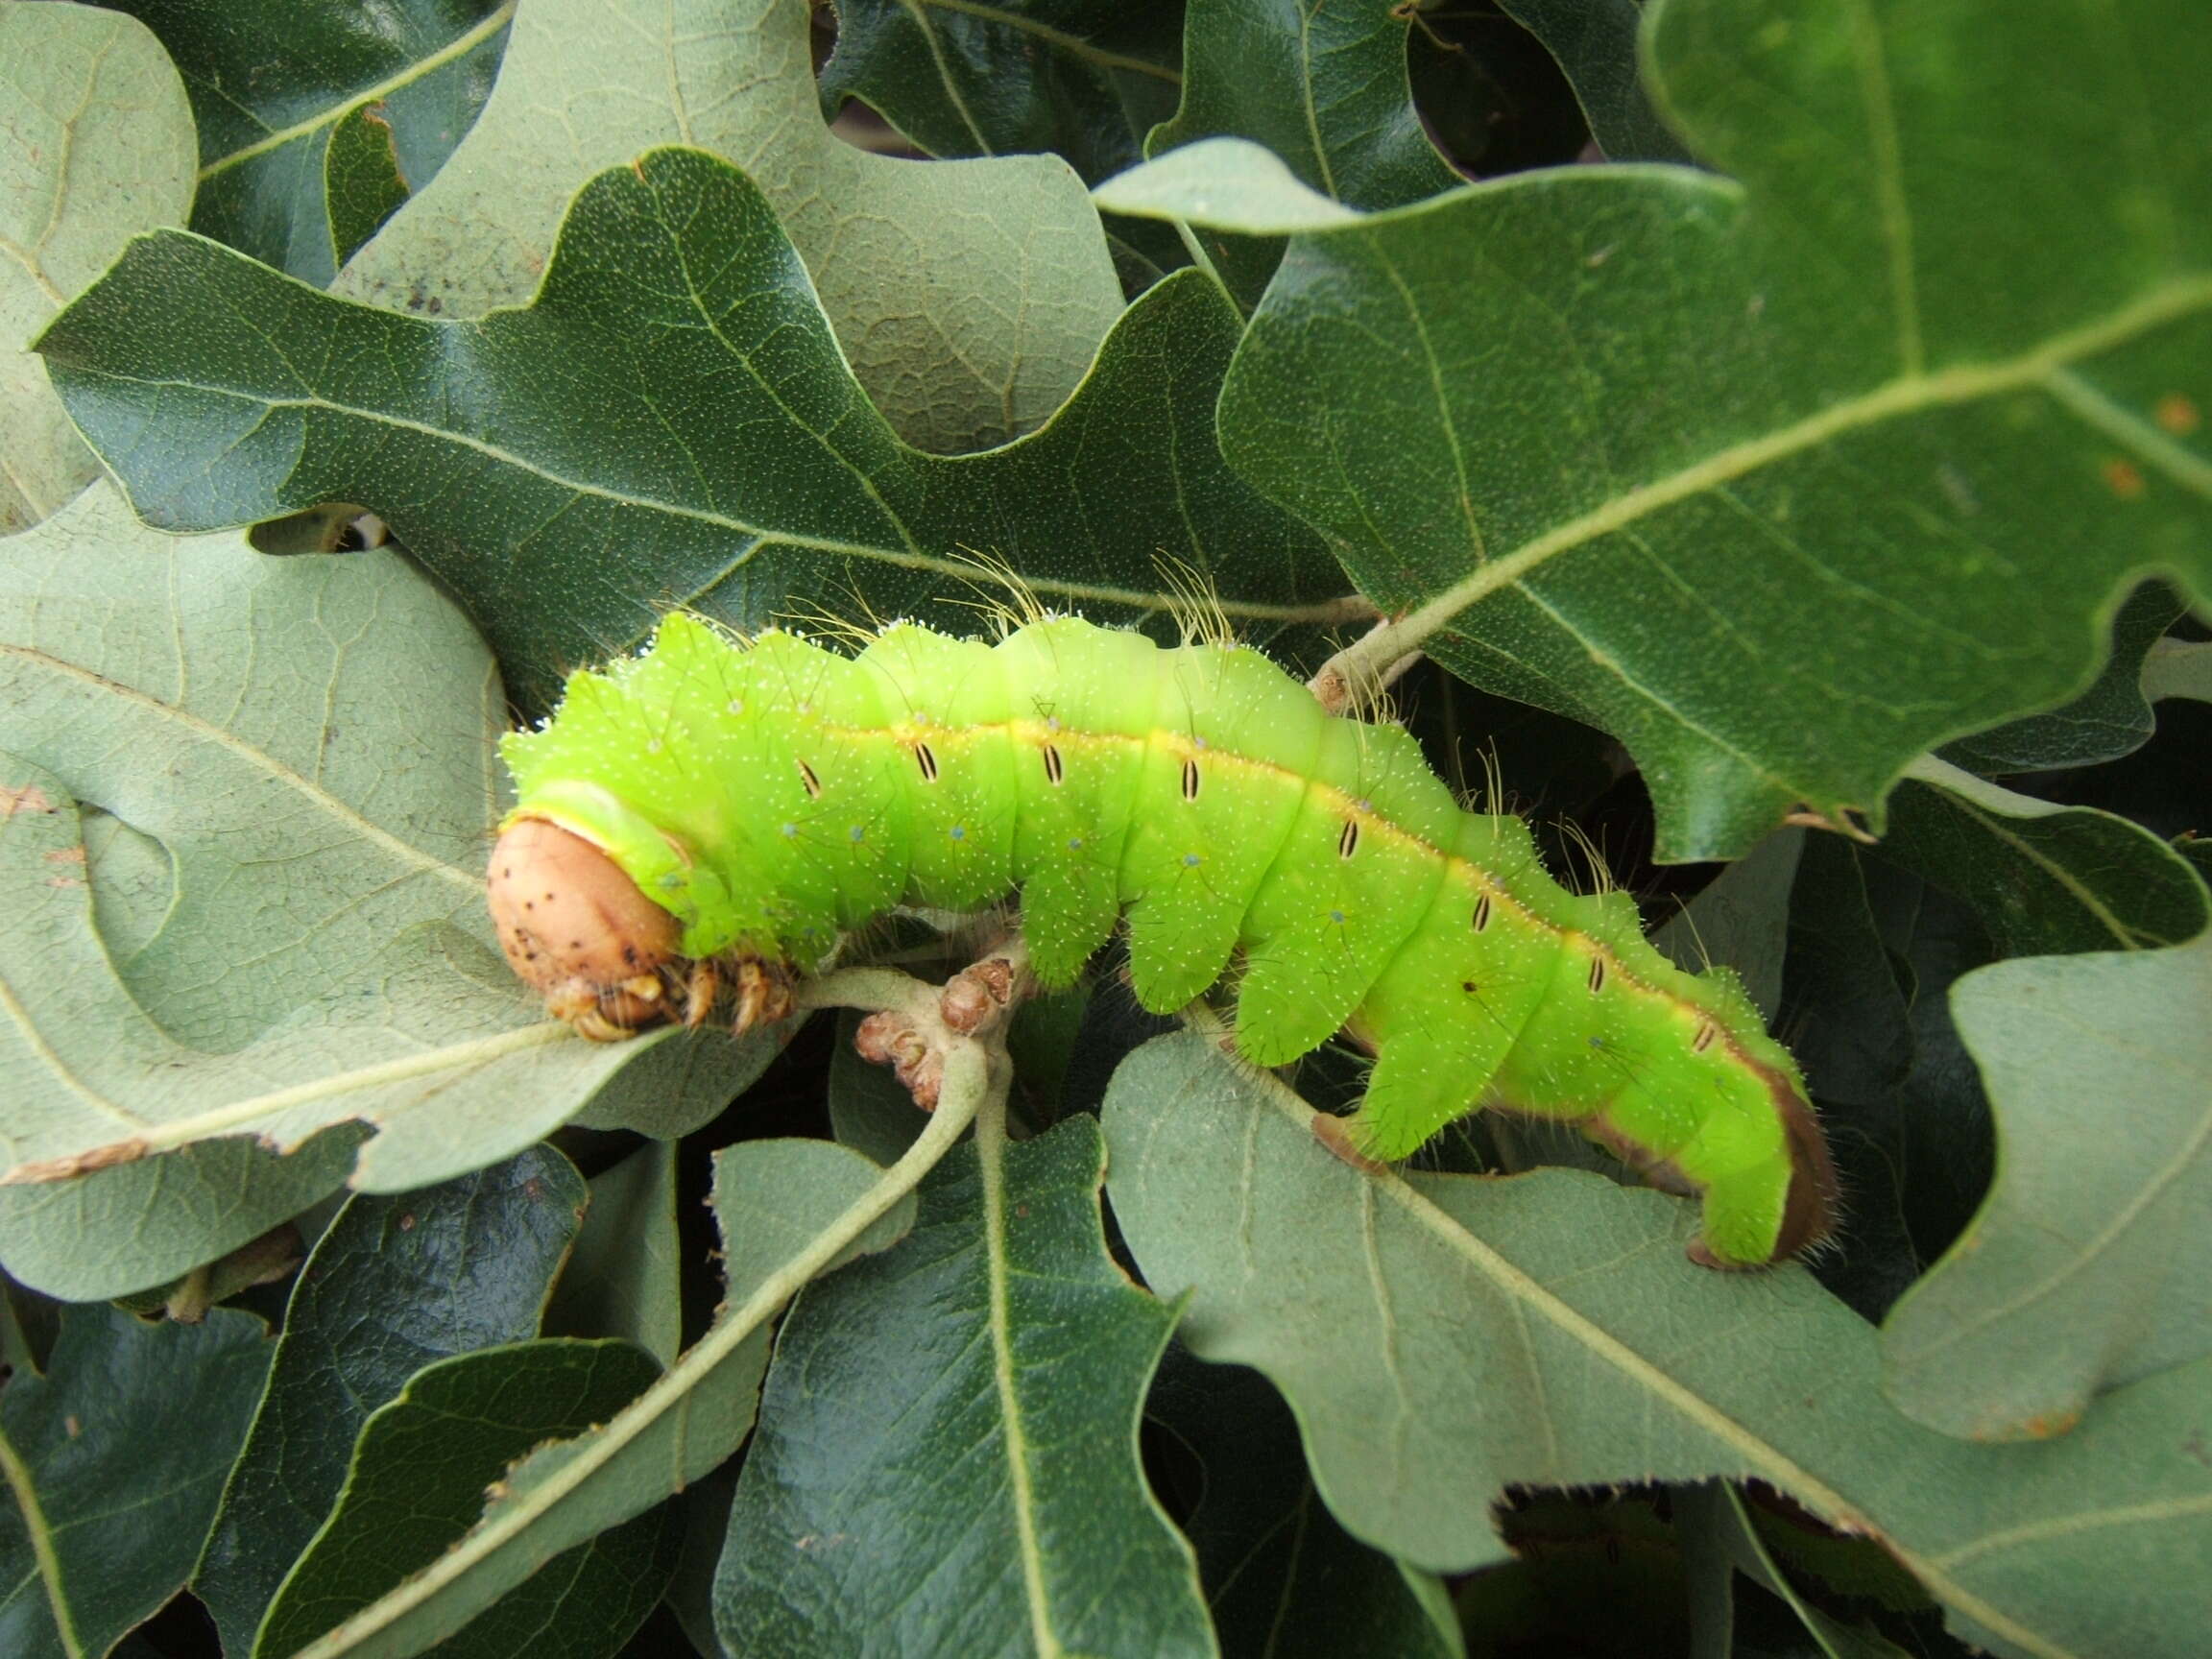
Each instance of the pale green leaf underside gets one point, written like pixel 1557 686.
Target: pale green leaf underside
pixel 2178 669
pixel 624 1277
pixel 304 746
pixel 95 144
pixel 1718 1539
pixel 1442 1338
pixel 2083 1269
pixel 1226 184
pixel 968 296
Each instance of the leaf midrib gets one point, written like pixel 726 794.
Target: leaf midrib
pixel 1529 1296
pixel 2039 370
pixel 18 1015
pixel 17 1474
pixel 1322 612
pixel 460 46
pixel 946 79
pixel 257 1111
pixel 1059 40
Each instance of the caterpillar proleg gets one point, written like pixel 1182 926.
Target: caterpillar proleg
pixel 768 796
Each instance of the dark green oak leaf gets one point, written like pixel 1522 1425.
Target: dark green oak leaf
pixel 2110 719
pixel 395 1283
pixel 417 1483
pixel 1780 481
pixel 113 1463
pixel 995 1362
pixel 1594 42
pixel 1084 79
pixel 1903 1117
pixel 280 88
pixel 1282 1577
pixel 1849 1010
pixel 773 1199
pixel 2045 879
pixel 1321 86
pixel 1591 1572
pixel 363 180
pixel 670 423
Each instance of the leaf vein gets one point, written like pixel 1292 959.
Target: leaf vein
pixel 460 46
pixel 1892 399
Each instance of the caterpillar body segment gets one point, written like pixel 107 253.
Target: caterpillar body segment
pixel 768 797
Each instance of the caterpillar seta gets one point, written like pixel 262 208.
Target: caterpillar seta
pixel 717 811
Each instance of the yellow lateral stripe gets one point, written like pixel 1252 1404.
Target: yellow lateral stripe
pixel 1037 735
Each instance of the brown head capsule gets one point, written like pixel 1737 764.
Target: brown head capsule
pixel 576 929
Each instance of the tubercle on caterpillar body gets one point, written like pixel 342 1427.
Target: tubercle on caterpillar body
pixel 770 796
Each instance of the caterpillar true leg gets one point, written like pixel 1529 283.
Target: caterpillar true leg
pixel 763 993
pixel 699 989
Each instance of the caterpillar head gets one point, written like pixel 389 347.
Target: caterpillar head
pixel 577 931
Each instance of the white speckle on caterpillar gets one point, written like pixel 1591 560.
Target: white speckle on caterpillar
pixel 1673 1071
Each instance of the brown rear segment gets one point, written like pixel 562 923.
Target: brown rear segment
pixel 1810 1209
pixel 577 931
pixel 1809 1213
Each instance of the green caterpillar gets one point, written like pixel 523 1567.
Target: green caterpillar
pixel 765 797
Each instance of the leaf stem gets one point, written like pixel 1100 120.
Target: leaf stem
pixel 1364 669
pixel 975 1076
pixel 1205 262
pixel 872 990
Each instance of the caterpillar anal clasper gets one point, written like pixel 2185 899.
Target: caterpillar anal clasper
pixel 715 809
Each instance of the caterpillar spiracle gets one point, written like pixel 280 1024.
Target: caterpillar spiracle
pixel 716 810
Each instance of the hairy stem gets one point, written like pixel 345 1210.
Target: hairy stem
pixel 1364 669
